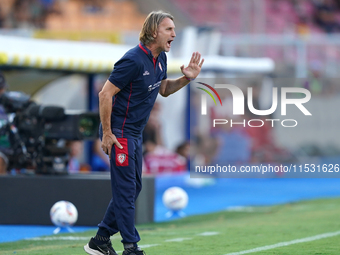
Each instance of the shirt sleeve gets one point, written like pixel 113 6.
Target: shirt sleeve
pixel 124 72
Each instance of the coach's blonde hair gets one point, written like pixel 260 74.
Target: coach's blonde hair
pixel 151 24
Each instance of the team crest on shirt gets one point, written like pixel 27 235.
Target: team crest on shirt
pixel 121 157
pixel 160 66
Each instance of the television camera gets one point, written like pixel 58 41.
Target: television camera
pixel 37 134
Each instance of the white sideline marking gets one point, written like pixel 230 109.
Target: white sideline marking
pixel 177 239
pixel 208 234
pixel 273 246
pixel 147 245
pixel 63 238
pixel 240 209
pixel 68 238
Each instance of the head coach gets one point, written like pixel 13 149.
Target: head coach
pixel 125 102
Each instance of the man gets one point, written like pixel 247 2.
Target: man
pixel 4 143
pixel 125 103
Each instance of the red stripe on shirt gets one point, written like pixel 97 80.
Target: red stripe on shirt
pixel 154 63
pixel 114 101
pixel 127 108
pixel 146 52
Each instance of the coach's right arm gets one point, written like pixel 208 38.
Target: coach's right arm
pixel 169 86
pixel 105 109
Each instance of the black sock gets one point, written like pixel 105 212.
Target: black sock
pixel 130 246
pixel 101 239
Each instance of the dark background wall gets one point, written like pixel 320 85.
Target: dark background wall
pixel 27 200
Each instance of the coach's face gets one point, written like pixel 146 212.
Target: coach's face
pixel 165 34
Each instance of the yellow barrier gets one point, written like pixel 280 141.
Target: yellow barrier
pixel 95 36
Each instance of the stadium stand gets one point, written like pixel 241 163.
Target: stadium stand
pixel 72 19
pixel 279 17
pixel 57 18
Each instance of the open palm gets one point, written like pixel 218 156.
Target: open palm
pixel 194 67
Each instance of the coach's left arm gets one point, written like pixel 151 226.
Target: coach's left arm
pixel 169 86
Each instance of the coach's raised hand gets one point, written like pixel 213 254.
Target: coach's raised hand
pixel 194 67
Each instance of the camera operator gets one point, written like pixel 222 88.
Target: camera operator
pixel 33 136
pixel 3 138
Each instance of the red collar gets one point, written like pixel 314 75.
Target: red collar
pixel 143 49
pixel 147 53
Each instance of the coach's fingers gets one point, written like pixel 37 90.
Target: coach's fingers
pixel 118 144
pixel 109 149
pixel 200 65
pixel 104 148
pixel 198 57
pixel 192 60
pixel 182 67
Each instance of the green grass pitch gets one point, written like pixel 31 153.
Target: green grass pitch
pixel 219 233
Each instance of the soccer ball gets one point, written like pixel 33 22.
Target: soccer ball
pixel 63 214
pixel 175 198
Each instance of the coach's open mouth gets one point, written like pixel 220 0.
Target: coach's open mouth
pixel 169 43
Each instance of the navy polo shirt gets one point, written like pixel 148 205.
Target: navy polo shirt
pixel 139 77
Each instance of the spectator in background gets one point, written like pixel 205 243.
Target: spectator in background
pixel 263 145
pixel 21 15
pixel 184 150
pixel 159 159
pixel 100 160
pixel 302 26
pixel 93 6
pixel 47 3
pixel 153 129
pixel 203 147
pixel 304 10
pixel 37 14
pixel 76 148
pixel 325 16
pixel 233 145
pixel 27 14
pixel 2 18
pixel 4 143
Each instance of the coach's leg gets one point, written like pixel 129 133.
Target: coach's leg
pixel 108 226
pixel 139 165
pixel 123 181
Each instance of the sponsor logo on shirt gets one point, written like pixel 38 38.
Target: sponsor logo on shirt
pixel 146 73
pixel 156 85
